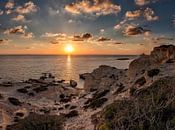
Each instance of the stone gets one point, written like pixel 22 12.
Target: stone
pixel 73 83
pixel 14 101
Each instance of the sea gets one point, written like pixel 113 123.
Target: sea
pixel 22 67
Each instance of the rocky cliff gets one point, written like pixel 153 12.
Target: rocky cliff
pixel 138 98
pixel 158 56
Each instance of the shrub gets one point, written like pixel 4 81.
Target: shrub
pixel 38 122
pixel 96 103
pixel 152 108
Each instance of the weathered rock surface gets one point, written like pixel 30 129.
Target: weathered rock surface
pixel 102 77
pixel 158 56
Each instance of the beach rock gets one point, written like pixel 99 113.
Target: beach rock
pixel 123 58
pixel 84 76
pixel 153 72
pixel 14 101
pixel 71 114
pixel 22 90
pixel 73 83
pixel 1 96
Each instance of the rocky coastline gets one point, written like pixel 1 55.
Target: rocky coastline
pixel 141 97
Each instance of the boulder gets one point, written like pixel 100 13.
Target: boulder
pixel 73 83
pixel 102 77
pixel 14 101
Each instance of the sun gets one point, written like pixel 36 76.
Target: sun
pixel 69 49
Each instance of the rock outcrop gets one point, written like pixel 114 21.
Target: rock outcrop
pixel 158 56
pixel 102 77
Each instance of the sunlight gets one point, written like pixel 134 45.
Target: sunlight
pixel 69 49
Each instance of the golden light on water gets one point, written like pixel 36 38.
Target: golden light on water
pixel 69 49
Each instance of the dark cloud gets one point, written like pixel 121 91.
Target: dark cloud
pixel 77 38
pixel 54 42
pixel 19 30
pixel 83 37
pixel 118 43
pixel 3 41
pixel 131 30
pixel 15 30
pixel 102 39
pixel 87 36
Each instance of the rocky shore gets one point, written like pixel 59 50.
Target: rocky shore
pixel 141 97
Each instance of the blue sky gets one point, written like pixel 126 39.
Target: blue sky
pixel 92 26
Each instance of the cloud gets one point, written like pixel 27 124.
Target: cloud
pixel 150 15
pixel 28 35
pixel 147 14
pixel 27 8
pixel 86 35
pixel 118 43
pixel 102 39
pixel 19 18
pixel 1 12
pixel 47 35
pixel 131 30
pixel 161 39
pixel 144 2
pixel 93 7
pixel 3 41
pixel 83 37
pixel 15 30
pixel 9 11
pixel 53 12
pixel 10 5
pixel 133 14
pixel 102 31
pixel 54 42
pixel 71 21
pixel 19 30
pixel 119 25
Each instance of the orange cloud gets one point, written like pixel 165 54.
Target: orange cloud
pixel 94 7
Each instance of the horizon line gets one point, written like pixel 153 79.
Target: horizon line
pixel 69 55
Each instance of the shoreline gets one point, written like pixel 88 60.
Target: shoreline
pixel 107 90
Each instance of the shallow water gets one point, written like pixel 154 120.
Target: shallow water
pixel 22 67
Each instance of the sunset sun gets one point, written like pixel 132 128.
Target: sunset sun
pixel 69 49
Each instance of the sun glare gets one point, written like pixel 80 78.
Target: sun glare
pixel 69 49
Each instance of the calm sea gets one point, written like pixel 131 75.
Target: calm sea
pixel 22 67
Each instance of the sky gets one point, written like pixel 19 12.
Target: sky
pixel 90 26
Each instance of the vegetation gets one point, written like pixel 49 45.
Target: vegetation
pixel 97 100
pixel 152 108
pixel 38 122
